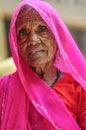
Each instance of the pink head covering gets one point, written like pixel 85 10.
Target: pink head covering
pixel 68 59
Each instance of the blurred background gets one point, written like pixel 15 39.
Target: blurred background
pixel 73 13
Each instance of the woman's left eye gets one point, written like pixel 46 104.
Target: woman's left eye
pixel 42 29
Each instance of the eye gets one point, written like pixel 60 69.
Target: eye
pixel 42 29
pixel 22 32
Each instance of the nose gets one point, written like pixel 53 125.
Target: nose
pixel 34 39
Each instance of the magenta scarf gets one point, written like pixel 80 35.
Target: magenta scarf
pixel 24 86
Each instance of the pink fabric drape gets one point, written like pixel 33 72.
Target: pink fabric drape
pixel 25 84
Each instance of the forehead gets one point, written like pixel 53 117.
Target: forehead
pixel 28 14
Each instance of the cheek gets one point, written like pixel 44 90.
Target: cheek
pixel 22 49
pixel 21 44
pixel 52 48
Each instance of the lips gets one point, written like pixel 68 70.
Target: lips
pixel 35 52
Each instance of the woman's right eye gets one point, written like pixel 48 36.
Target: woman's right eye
pixel 22 33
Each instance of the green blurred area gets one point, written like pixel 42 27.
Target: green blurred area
pixel 6 10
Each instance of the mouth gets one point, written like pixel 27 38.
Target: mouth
pixel 35 52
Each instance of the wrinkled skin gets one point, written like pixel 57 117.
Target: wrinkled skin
pixel 36 43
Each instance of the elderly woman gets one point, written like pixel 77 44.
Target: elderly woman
pixel 48 89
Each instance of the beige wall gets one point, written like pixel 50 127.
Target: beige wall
pixel 73 12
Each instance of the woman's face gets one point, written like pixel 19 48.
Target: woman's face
pixel 36 42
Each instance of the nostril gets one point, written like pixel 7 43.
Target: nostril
pixel 32 43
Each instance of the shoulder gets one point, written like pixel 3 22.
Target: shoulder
pixel 67 83
pixel 67 78
pixel 70 92
pixel 6 84
pixel 6 80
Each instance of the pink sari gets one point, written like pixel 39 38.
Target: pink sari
pixel 24 87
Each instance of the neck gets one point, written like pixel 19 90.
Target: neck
pixel 46 72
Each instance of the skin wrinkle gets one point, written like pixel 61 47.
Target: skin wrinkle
pixel 36 44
